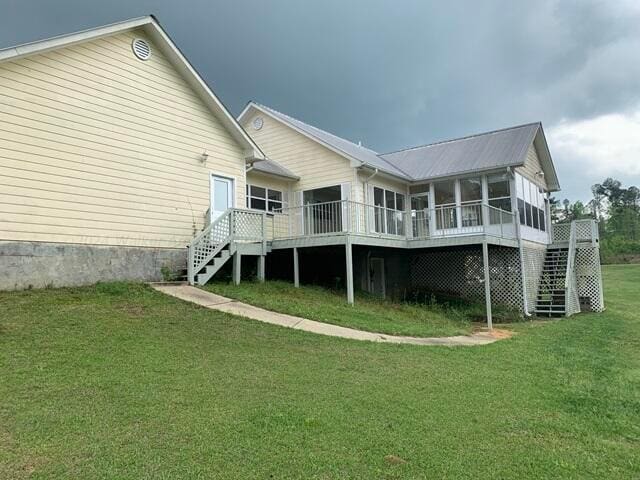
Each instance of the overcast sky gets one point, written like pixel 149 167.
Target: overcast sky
pixel 397 73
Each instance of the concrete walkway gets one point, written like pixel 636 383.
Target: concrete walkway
pixel 223 304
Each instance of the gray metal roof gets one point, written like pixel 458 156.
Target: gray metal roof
pixel 274 168
pixel 500 148
pixel 485 151
pixel 350 149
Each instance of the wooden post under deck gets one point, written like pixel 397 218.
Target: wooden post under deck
pixel 349 268
pixel 487 284
pixel 296 268
pixel 237 262
pixel 261 268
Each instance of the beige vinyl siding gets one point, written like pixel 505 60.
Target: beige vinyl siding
pixel 387 183
pixel 316 165
pixel 274 183
pixel 99 147
pixel 268 181
pixel 531 166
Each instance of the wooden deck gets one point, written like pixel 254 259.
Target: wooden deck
pixel 343 238
pixel 342 222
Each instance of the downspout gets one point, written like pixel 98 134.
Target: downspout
pixel 366 201
pixel 523 275
pixel 366 185
pixel 525 301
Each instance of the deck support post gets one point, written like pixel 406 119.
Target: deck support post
pixel 237 262
pixel 349 262
pixel 487 284
pixel 261 268
pixel 296 268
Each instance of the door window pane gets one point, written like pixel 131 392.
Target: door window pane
pixel 470 189
pixel 220 195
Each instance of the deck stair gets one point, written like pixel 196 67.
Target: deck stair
pixel 220 240
pixel 215 264
pixel 552 294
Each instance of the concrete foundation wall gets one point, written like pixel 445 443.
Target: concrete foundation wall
pixel 40 264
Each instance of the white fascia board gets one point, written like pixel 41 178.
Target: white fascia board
pixel 354 162
pixel 466 174
pixel 301 132
pixel 252 152
pixel 41 46
pixel 542 147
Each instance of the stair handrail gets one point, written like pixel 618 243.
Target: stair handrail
pixel 571 253
pixel 569 279
pixel 193 265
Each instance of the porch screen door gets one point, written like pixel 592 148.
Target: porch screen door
pixel 221 196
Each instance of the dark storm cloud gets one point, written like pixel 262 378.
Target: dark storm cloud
pixel 393 74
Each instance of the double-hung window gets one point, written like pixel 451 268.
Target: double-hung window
pixel 261 198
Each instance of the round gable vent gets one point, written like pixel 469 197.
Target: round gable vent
pixel 257 123
pixel 141 49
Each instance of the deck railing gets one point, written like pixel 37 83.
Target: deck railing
pixel 584 231
pixel 235 224
pixel 344 216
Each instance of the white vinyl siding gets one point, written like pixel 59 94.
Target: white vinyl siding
pixel 98 147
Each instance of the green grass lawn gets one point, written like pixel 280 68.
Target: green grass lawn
pixel 118 381
pixel 368 313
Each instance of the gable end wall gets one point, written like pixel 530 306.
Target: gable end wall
pixel 531 166
pixel 98 147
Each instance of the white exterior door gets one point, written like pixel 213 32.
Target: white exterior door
pixel 221 196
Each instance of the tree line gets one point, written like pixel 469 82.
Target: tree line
pixel 617 210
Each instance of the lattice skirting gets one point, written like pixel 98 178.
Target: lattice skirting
pixel 533 262
pixel 459 272
pixel 589 276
